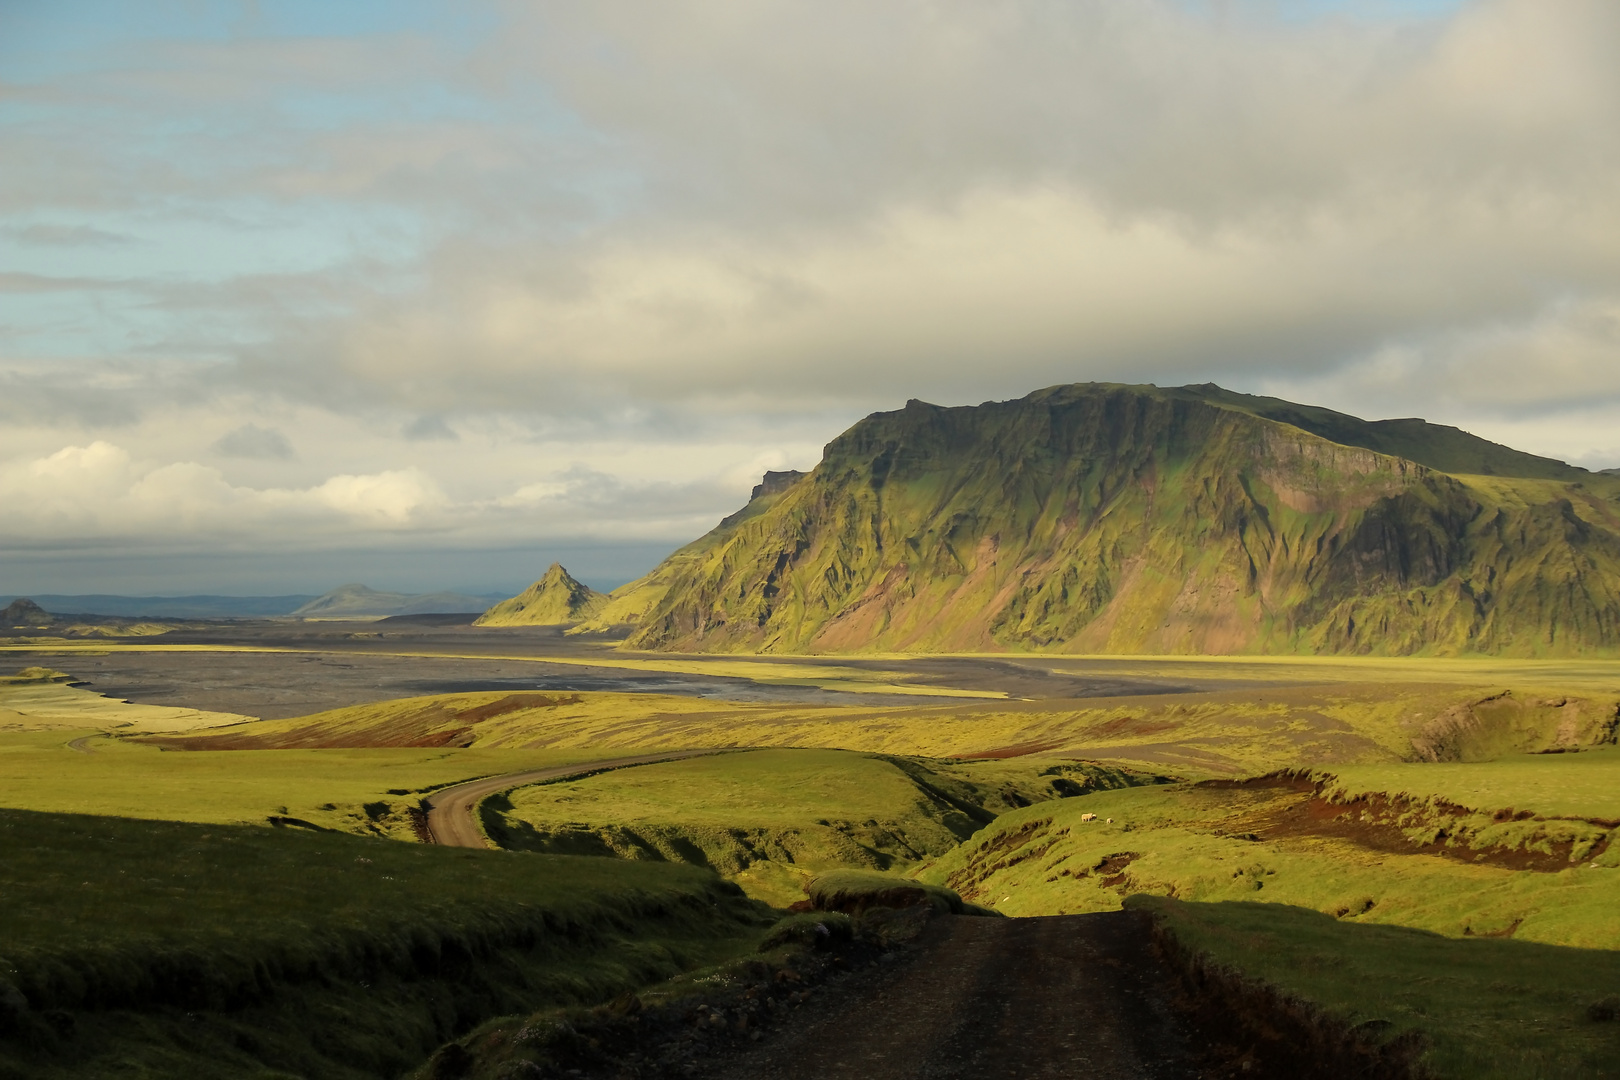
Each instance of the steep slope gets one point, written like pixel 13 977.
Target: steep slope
pixel 554 600
pixel 632 602
pixel 1105 518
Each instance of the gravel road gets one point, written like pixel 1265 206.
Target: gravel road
pixel 450 810
pixel 999 999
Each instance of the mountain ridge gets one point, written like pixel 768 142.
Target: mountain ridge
pixel 1117 519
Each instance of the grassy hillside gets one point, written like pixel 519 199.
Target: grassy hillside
pixel 163 949
pixel 770 819
pixel 1114 519
pixel 1499 867
pixel 1477 1009
pixel 632 602
pixel 556 599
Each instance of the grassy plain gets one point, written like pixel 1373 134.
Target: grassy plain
pixel 355 790
pixel 1585 785
pixel 40 699
pixel 1223 733
pixel 1380 849
pixel 169 949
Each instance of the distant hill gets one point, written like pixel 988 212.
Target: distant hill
pixel 555 600
pixel 171 607
pixel 359 602
pixel 1137 519
pixel 24 612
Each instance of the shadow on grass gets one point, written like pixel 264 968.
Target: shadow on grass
pixel 1468 1008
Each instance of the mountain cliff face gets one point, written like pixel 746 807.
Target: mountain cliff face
pixel 1129 519
pixel 555 599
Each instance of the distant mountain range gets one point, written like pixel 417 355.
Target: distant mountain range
pixel 1102 518
pixel 346 601
pixel 167 607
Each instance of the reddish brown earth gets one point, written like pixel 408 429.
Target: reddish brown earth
pixel 1009 999
pixel 1303 809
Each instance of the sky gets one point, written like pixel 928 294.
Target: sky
pixel 426 294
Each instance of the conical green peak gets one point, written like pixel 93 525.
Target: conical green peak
pixel 556 599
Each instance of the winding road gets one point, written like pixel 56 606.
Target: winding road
pixel 450 819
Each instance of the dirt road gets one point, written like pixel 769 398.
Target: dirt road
pixel 1008 999
pixel 450 811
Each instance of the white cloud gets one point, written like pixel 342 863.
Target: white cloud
pixel 100 492
pixel 594 274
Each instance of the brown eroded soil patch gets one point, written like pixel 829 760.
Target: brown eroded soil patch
pixel 1302 809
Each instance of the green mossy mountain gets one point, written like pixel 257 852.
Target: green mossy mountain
pixel 1101 518
pixel 555 600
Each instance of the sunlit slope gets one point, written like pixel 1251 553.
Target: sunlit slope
pixel 1119 519
pixel 1218 734
pixel 556 599
pixel 632 602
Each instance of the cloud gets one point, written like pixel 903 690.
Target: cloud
pixel 100 495
pixel 100 492
pixel 253 441
pixel 429 428
pixel 65 235
pixel 596 268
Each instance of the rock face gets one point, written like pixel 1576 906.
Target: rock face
pixel 554 600
pixel 1135 519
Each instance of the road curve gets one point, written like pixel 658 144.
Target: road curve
pixel 450 820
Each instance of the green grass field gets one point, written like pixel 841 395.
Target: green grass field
pixel 164 949
pixel 770 819
pixel 1487 1010
pixel 1583 785
pixel 1208 844
pixel 1432 825
pixel 354 790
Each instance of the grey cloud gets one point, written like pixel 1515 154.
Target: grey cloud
pixel 253 441
pixel 66 235
pixel 675 218
pixel 430 428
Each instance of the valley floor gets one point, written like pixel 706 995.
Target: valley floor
pixel 1299 825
